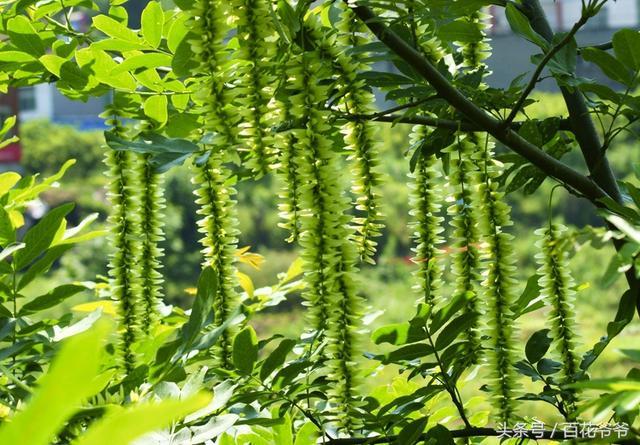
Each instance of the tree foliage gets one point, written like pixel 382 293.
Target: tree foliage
pixel 245 89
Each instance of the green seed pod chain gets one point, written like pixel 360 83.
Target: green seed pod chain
pixel 556 284
pixel 476 52
pixel 213 189
pixel 328 252
pixel 318 217
pixel 287 168
pixel 254 71
pixel 351 29
pixel 152 203
pixel 427 225
pixel 125 234
pixel 465 258
pixel 344 339
pixel 422 35
pixel 360 136
pixel 288 156
pixel 210 22
pixel 499 285
pixel 218 226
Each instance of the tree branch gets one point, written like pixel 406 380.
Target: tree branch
pixel 401 107
pixel 541 66
pixel 586 135
pixel 430 121
pixel 603 46
pixel 479 432
pixel 447 91
pixel 427 121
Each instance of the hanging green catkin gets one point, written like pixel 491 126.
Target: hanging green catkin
pixel 152 203
pixel 475 52
pixel 423 34
pixel 318 188
pixel 466 176
pixel 328 251
pixel 343 338
pixel 465 256
pixel 360 135
pixel 210 22
pixel 214 190
pixel 254 70
pixel 556 284
pixel 499 285
pixel 425 207
pixel 218 227
pixel 125 234
pixel 287 167
pixel 351 29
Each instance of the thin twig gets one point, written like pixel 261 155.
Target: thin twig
pixel 541 66
pixel 480 117
pixel 436 122
pixel 403 106
pixel 603 46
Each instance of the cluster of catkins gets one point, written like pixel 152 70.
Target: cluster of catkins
pixel 268 113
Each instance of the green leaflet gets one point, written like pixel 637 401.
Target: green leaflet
pixel 219 241
pixel 427 225
pixel 556 284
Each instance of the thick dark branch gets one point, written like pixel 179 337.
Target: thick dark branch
pixel 586 135
pixel 483 432
pixel 430 121
pixel 447 91
pixel 541 66
pixel 427 121
pixel 413 104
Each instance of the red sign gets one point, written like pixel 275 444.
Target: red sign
pixel 12 153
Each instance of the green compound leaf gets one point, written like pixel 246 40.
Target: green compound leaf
pixel 152 22
pixel 520 25
pixel 538 345
pixel 626 45
pixel 166 152
pixel 69 381
pixel 39 237
pixel 245 350
pixel 24 36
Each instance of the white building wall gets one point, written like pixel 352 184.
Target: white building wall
pixel 43 103
pixel 623 13
pixel 562 14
